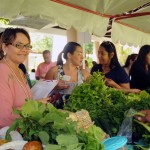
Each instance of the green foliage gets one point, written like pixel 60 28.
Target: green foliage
pixel 50 126
pixel 4 21
pixel 41 43
pixel 90 62
pixel 89 48
pixel 106 106
pixel 123 53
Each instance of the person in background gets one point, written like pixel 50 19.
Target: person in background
pixel 43 67
pixel 73 54
pixel 23 68
pixel 14 89
pixel 32 75
pixel 87 66
pixel 94 63
pixel 115 75
pixel 140 70
pixel 129 61
pixel 32 70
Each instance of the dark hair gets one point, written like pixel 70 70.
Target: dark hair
pixel 32 70
pixel 1 34
pixel 46 52
pixel 70 47
pixel 94 63
pixel 23 68
pixel 86 62
pixel 110 47
pixel 9 35
pixel 130 57
pixel 144 50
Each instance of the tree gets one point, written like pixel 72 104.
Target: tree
pixel 123 53
pixel 89 48
pixel 42 42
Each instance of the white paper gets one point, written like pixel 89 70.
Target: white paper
pixel 42 88
pixel 70 89
pixel 66 78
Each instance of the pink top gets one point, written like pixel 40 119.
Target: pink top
pixel 11 95
pixel 43 69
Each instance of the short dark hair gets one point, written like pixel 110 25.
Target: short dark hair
pixel 130 57
pixel 46 52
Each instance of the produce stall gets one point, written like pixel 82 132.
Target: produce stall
pixel 92 113
pixel 108 108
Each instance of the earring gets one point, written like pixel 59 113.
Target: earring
pixel 4 53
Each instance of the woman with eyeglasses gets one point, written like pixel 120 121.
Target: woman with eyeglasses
pixel 14 89
pixel 115 75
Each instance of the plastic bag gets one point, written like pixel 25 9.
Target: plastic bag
pixel 126 127
pixel 15 135
pixel 3 132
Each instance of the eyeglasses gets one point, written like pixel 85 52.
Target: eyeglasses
pixel 21 46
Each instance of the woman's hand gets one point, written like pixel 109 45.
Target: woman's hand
pixel 62 85
pixel 45 100
pixel 146 117
pixel 136 91
pixel 111 83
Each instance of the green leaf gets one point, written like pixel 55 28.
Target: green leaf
pixel 13 127
pixel 144 125
pixel 29 107
pixel 66 139
pixel 37 115
pixel 96 133
pixel 51 108
pixel 53 147
pixel 74 147
pixel 44 137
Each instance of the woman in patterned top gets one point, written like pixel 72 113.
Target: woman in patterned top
pixel 70 70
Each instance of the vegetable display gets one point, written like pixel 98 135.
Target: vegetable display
pixel 44 123
pixel 107 106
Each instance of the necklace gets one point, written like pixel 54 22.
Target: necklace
pixel 23 83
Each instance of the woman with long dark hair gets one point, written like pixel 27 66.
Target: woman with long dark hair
pixel 129 61
pixel 115 75
pixel 140 70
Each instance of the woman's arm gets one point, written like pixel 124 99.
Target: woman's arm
pixel 86 74
pixel 111 83
pixel 51 74
pixel 125 85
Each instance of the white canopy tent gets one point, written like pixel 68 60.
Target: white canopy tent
pixel 84 15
